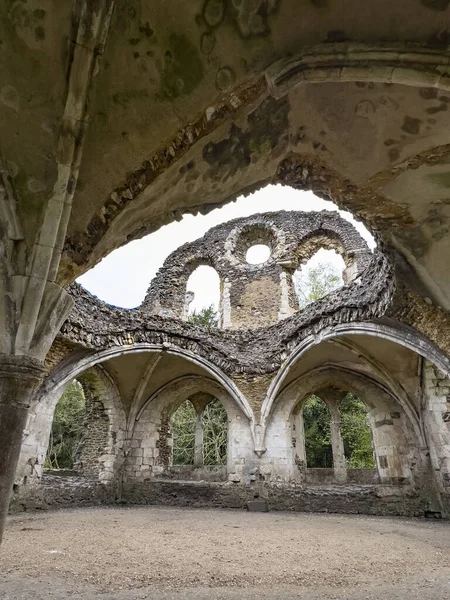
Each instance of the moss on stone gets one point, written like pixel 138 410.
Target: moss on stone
pixel 183 68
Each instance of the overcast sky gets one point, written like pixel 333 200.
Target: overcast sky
pixel 122 278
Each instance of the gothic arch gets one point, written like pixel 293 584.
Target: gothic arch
pixel 402 335
pixel 40 419
pixel 69 369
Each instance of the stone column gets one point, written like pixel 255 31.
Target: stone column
pixel 298 442
pixel 20 377
pixel 198 444
pixel 339 464
pixel 332 398
pixel 391 447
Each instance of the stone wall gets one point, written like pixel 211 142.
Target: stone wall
pixel 95 325
pixel 241 366
pixel 262 294
pixel 58 492
pixel 94 443
pixel 359 499
pixel 436 415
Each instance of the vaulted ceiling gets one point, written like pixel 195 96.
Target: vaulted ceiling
pixel 189 104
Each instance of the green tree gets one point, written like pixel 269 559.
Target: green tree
pixel 67 428
pixel 317 425
pixel 183 434
pixel 315 282
pixel 215 434
pixel 356 433
pixel 207 317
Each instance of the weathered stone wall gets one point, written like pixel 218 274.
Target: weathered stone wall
pixel 262 294
pixel 69 492
pixel 397 447
pixel 397 486
pixel 436 415
pixel 96 325
pixel 151 443
pixel 94 443
pixel 265 442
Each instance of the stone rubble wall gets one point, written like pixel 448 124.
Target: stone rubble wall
pixel 255 292
pixel 71 492
pixel 436 415
pixel 96 325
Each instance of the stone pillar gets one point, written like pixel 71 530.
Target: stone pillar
pixel 339 464
pixel 287 294
pixel 188 299
pixel 225 306
pixel 198 443
pixel 332 398
pixel 298 443
pixel 391 449
pixel 436 418
pixel 20 377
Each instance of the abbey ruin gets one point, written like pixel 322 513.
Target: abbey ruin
pixel 262 363
pixel 120 117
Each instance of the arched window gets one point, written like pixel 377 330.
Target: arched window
pixel 319 276
pixel 356 433
pixel 67 428
pixel 86 433
pixel 317 426
pixel 184 421
pixel 202 295
pixel 200 438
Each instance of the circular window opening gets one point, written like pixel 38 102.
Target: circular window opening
pixel 257 254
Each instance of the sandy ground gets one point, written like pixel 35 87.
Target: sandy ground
pixel 168 553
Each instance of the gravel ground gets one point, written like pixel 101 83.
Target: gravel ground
pixel 180 554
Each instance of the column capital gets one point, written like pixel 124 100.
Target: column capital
pixel 21 367
pixel 20 377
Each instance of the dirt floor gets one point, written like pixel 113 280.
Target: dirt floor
pixel 187 554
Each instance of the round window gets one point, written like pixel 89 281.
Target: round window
pixel 257 254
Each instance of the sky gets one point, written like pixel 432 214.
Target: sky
pixel 123 277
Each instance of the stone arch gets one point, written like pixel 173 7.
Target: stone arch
pixel 152 436
pixel 212 282
pixel 399 334
pixel 397 445
pixel 40 417
pixel 78 362
pixel 395 63
pixel 355 260
pixel 167 295
pixel 105 400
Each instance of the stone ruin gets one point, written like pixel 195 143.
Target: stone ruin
pixel 262 363
pixel 120 117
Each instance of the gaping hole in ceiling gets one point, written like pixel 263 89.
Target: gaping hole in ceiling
pixel 123 277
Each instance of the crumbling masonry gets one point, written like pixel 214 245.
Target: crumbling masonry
pixel 262 363
pixel 120 117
